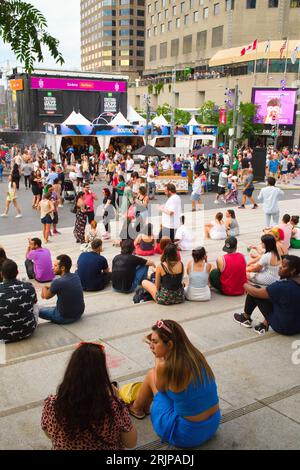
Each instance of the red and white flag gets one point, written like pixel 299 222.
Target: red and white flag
pixel 252 47
pixel 282 49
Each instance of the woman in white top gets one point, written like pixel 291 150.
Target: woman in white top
pixel 266 271
pixel 198 271
pixel 12 198
pixel 216 230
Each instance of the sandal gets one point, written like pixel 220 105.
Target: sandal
pixel 133 413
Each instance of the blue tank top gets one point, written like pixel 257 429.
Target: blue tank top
pixel 196 399
pixel 198 279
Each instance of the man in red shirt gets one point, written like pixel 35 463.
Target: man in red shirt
pixel 89 199
pixel 230 276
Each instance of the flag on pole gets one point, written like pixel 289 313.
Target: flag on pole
pixel 250 48
pixel 283 48
pixel 295 53
pixel 267 46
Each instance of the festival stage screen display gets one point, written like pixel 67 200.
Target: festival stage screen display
pixel 275 106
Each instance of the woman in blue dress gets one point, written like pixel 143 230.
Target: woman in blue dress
pixel 185 409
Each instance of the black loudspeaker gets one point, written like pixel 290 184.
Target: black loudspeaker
pixel 259 159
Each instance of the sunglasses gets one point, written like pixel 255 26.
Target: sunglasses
pixel 100 346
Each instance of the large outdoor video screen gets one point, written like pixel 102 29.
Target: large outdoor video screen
pixel 275 106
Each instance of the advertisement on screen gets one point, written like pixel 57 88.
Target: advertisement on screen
pixel 275 106
pixel 72 84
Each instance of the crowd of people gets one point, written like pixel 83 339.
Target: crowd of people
pixel 180 392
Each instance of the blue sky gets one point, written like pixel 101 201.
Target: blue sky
pixel 63 18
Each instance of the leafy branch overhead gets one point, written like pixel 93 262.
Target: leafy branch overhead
pixel 24 28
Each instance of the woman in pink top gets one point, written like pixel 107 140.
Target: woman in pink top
pixel 287 228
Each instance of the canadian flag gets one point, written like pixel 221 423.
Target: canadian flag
pixel 252 47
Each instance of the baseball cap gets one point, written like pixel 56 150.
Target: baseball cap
pixel 230 244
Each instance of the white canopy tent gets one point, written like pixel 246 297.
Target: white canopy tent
pixel 193 122
pixel 133 116
pixel 76 119
pixel 119 120
pixel 160 121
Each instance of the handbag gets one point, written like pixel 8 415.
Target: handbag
pixel 128 392
pixel 131 212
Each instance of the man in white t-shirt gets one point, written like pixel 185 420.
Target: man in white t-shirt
pixel 129 167
pixel 184 237
pixel 167 164
pixel 171 212
pixel 151 181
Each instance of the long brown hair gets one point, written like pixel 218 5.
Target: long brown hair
pixel 84 398
pixel 185 363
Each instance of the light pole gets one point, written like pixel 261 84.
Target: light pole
pixel 173 105
pixel 147 101
pixel 234 120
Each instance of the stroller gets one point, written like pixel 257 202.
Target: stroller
pixel 69 193
pixel 232 197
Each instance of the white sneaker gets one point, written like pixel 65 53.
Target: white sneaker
pixel 3 215
pixel 19 216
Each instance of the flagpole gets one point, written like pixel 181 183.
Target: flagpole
pixel 286 58
pixel 255 65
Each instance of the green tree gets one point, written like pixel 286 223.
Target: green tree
pixel 248 112
pixel 164 110
pixel 24 28
pixel 209 114
pixel 180 116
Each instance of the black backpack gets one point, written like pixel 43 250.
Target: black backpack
pixel 141 296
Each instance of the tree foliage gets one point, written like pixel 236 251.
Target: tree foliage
pixel 24 28
pixel 180 116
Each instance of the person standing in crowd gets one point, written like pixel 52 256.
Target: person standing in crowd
pixel 166 164
pixel 197 191
pixel 151 181
pixel 129 166
pixel 18 300
pixel 177 166
pixel 46 208
pixel 27 170
pixel 38 261
pixel 16 175
pixel 89 200
pixel 36 188
pixel 222 184
pixel 86 413
pixel 270 197
pixel 70 302
pixel 12 198
pixel 230 276
pixel 80 222
pixel 248 190
pixel 278 302
pixel 108 213
pixel 182 389
pixel 171 212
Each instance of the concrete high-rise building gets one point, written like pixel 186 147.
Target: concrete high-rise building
pixel 113 35
pixel 190 32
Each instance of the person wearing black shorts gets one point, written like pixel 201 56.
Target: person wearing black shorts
pixel 248 190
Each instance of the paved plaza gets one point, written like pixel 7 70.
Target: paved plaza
pixel 259 385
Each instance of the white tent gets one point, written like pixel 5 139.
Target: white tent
pixel 133 116
pixel 119 120
pixel 193 122
pixel 160 121
pixel 76 119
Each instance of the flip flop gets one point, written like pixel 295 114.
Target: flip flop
pixel 140 417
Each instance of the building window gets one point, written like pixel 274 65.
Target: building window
pixel 174 47
pixel 149 33
pixel 205 12
pixel 229 5
pixel 202 40
pixel 181 7
pixel 163 49
pixel 187 44
pixel 186 19
pixel 273 3
pixel 217 36
pixel 166 14
pixel 174 10
pixel 295 3
pixel 169 25
pixel 155 31
pixel 152 53
pixel 177 22
pixel 196 16
pixel 162 28
pixel 140 63
pixel 159 17
pixel 250 4
pixel 216 8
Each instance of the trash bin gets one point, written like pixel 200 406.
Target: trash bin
pixel 214 180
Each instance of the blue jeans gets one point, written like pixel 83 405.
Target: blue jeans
pixel 140 275
pixel 53 315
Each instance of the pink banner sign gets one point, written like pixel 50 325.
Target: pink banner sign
pixel 44 83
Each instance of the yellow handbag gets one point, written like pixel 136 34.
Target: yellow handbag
pixel 128 392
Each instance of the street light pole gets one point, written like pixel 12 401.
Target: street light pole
pixel 172 137
pixel 147 100
pixel 234 121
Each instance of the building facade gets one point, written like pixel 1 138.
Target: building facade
pixel 190 32
pixel 113 36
